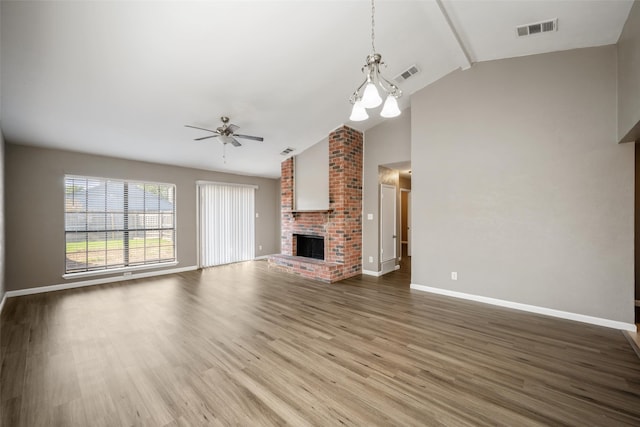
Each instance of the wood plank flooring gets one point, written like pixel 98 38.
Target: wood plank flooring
pixel 245 345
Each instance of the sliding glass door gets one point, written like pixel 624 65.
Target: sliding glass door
pixel 226 223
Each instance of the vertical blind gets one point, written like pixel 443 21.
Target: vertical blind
pixel 115 224
pixel 227 223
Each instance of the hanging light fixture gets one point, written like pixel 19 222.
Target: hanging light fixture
pixel 367 95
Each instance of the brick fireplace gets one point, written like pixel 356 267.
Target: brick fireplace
pixel 340 225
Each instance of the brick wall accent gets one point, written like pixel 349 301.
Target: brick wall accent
pixel 345 193
pixel 341 226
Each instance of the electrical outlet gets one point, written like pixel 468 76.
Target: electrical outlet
pixel 370 259
pixel 257 215
pixel 259 247
pixel 369 217
pixel 454 275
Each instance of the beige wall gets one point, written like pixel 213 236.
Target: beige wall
pixel 519 185
pixel 405 183
pixel 388 142
pixel 629 78
pixel 34 208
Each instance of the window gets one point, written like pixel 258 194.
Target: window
pixel 116 224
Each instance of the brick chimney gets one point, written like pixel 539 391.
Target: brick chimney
pixel 341 225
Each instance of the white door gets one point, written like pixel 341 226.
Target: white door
pixel 388 236
pixel 409 223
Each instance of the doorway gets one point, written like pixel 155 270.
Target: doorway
pixel 395 246
pixel 226 223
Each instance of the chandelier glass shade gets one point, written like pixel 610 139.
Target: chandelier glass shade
pixel 367 95
pixel 358 112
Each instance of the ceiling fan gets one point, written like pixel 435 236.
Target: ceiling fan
pixel 226 133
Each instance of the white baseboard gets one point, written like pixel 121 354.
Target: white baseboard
pixel 4 298
pixel 530 308
pixel 93 282
pixel 372 273
pixel 263 257
pixel 379 273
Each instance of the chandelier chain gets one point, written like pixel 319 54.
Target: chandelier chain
pixel 373 26
pixel 367 95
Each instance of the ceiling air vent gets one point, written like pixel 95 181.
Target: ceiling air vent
pixel 287 151
pixel 406 74
pixel 537 28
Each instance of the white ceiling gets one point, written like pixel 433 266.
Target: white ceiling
pixel 122 78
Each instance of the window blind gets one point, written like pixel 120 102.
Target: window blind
pixel 227 223
pixel 116 224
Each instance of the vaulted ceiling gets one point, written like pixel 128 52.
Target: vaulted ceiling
pixel 122 78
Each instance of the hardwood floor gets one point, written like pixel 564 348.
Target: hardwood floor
pixel 242 344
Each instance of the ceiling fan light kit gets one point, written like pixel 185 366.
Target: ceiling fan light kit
pixel 367 95
pixel 226 134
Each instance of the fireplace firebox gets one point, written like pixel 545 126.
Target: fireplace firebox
pixel 309 246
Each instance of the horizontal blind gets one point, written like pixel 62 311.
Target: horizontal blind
pixel 115 224
pixel 227 224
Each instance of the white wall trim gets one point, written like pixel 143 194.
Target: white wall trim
pixel 263 257
pixel 530 308
pixel 372 273
pixel 379 273
pixel 83 283
pixel 4 298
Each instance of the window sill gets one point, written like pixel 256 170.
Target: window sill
pixel 118 271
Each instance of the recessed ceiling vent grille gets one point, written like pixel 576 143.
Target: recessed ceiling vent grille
pixel 287 151
pixel 406 74
pixel 537 28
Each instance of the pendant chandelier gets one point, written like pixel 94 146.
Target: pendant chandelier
pixel 367 95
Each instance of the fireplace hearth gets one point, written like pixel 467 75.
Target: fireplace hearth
pixel 309 246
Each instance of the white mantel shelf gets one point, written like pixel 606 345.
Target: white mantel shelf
pixel 298 211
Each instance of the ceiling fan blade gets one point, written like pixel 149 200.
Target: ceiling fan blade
pixel 235 142
pixel 232 128
pixel 196 127
pixel 205 137
pixel 254 138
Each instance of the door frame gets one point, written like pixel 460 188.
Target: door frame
pixel 395 223
pixel 408 224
